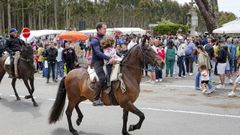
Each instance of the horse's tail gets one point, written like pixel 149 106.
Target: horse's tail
pixel 57 108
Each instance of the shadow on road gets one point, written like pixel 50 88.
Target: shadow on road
pixel 61 131
pixel 22 106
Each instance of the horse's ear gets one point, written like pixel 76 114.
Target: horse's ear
pixel 145 38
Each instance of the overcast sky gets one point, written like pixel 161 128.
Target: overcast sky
pixel 225 5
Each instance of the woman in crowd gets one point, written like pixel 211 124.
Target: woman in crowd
pixel 203 59
pixel 170 58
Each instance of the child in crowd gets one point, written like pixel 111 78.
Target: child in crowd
pixel 204 79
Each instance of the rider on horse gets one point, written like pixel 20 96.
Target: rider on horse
pixel 13 47
pixel 98 58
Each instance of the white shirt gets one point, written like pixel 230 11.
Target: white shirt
pixel 59 56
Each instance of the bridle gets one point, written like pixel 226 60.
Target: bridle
pixel 155 64
pixel 142 50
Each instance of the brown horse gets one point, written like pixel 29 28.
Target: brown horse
pixel 76 85
pixel 26 71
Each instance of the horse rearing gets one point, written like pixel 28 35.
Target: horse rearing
pixel 26 71
pixel 75 84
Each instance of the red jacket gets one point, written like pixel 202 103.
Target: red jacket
pixel 161 53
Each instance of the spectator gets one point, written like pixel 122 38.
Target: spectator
pixel 180 57
pixel 40 57
pixel 234 89
pixel 51 54
pixel 170 58
pixel 204 78
pixel 69 57
pixel 59 64
pixel 222 63
pixel 203 59
pixel 189 53
pixel 161 53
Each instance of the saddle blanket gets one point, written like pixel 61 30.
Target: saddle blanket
pixel 115 76
pixel 7 61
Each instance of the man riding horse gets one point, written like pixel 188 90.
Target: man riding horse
pixel 98 58
pixel 14 46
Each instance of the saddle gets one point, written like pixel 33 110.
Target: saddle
pixel 116 81
pixel 8 65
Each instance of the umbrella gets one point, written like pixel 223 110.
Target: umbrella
pixel 73 35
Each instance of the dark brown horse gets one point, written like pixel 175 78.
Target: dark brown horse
pixel 26 71
pixel 76 85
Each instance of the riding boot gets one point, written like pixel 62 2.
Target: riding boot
pixel 98 88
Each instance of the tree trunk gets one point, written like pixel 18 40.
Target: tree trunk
pixel 1 16
pixel 55 14
pixel 209 11
pixel 9 14
pixel 22 15
pixel 39 20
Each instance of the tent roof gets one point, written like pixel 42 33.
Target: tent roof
pixel 230 27
pixel 38 33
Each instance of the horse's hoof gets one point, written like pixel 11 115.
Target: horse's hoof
pixel 75 133
pixel 78 121
pixel 125 133
pixel 131 128
pixel 18 98
pixel 35 104
pixel 28 96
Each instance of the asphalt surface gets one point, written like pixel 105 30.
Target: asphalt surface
pixel 171 107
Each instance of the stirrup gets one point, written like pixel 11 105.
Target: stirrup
pixel 97 102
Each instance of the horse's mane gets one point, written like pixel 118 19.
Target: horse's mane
pixel 128 53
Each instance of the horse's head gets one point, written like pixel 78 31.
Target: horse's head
pixel 150 56
pixel 27 52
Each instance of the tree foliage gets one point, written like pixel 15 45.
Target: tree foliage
pixel 225 17
pixel 166 27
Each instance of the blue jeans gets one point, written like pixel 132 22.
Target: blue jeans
pixel 51 68
pixel 231 64
pixel 59 69
pixel 181 66
pixel 197 81
pixel 158 74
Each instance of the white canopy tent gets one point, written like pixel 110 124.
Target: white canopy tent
pixel 34 34
pixel 111 31
pixel 230 27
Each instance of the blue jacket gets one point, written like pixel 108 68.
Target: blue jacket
pixel 97 51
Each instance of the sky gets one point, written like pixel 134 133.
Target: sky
pixel 225 5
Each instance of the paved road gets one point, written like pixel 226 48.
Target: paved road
pixel 171 107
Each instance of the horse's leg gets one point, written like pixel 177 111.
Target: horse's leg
pixel 30 92
pixel 32 87
pixel 69 115
pixel 1 76
pixel 140 114
pixel 80 115
pixel 125 119
pixel 14 88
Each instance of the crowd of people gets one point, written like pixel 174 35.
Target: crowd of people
pixel 212 55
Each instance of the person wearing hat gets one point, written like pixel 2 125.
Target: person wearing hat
pixel 14 46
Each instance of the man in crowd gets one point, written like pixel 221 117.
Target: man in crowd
pixel 59 63
pixel 51 54
pixel 189 52
pixel 69 57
